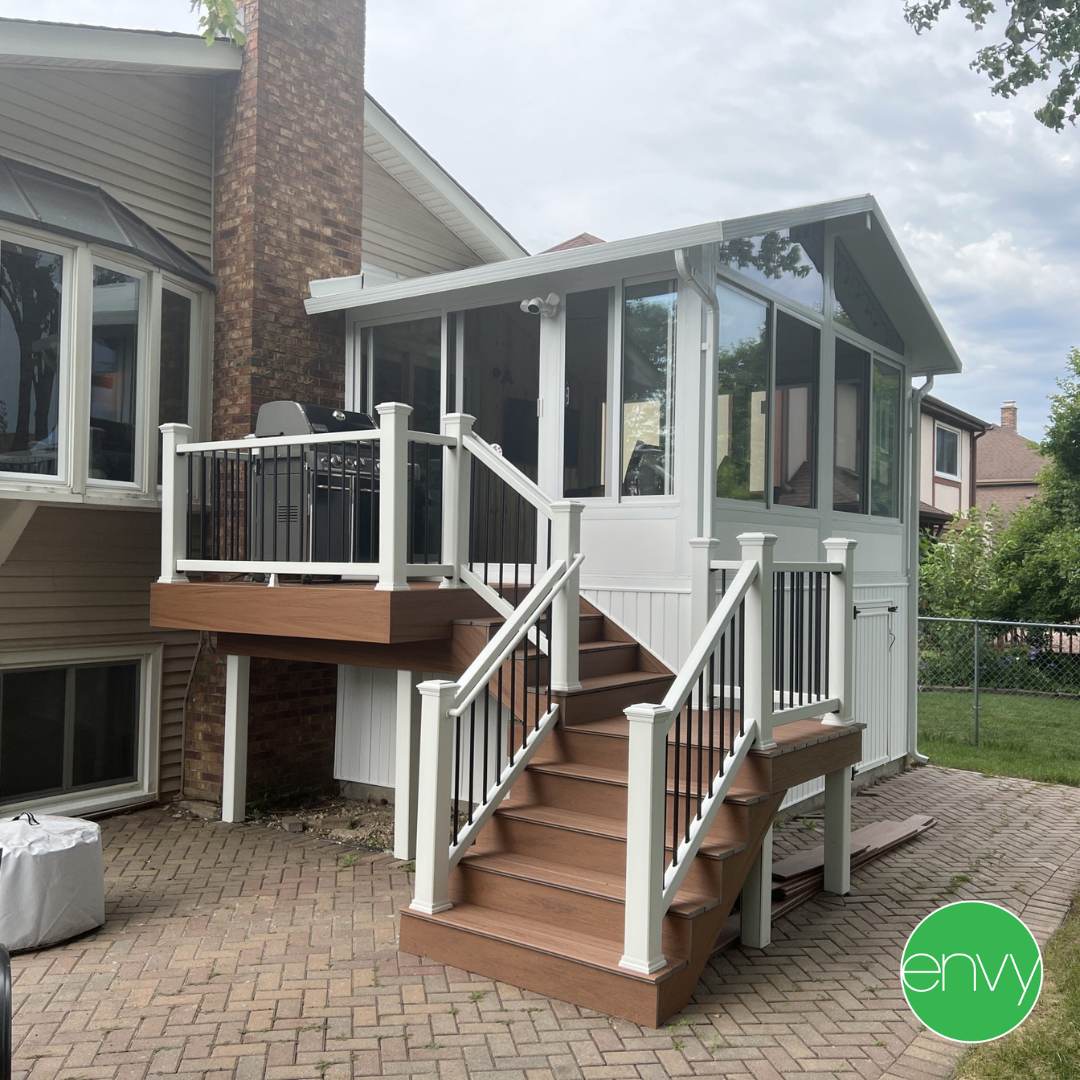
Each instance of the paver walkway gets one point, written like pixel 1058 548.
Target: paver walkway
pixel 235 951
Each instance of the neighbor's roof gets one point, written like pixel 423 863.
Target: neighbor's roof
pixel 37 197
pixel 934 406
pixel 866 234
pixel 1005 455
pixel 584 239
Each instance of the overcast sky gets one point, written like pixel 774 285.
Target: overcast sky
pixel 624 117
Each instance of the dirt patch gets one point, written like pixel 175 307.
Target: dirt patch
pixel 368 823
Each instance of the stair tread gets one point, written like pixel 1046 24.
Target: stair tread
pixel 545 938
pixel 587 646
pixel 595 824
pixel 620 678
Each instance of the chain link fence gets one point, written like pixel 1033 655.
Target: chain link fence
pixel 964 663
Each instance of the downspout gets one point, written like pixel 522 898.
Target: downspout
pixel 914 455
pixel 707 475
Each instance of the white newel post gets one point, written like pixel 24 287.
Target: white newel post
pixel 173 500
pixel 646 799
pixel 393 495
pixel 702 583
pixel 841 629
pixel 234 757
pixel 431 891
pixel 457 496
pixel 757 701
pixel 566 605
pixel 756 926
pixel 406 764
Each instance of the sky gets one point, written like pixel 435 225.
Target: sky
pixel 624 117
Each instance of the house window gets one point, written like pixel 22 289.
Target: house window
pixel 947 452
pixel 856 306
pixel 886 400
pixel 741 395
pixel 403 362
pixel 68 728
pixel 787 260
pixel 849 443
pixel 114 379
pixel 798 355
pixel 648 388
pixel 32 361
pixel 585 400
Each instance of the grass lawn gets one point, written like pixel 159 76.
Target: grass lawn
pixel 1046 1046
pixel 1037 738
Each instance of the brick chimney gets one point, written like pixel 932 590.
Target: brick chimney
pixel 287 197
pixel 1008 415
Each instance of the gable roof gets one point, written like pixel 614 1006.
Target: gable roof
pixel 1004 454
pixel 584 239
pixel 866 235
pixel 942 410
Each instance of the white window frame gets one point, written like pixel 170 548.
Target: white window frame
pixel 938 426
pixel 45 242
pixel 145 786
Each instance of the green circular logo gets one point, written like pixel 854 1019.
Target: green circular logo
pixel 971 971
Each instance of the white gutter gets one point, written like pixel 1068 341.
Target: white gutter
pixel 914 456
pixel 707 477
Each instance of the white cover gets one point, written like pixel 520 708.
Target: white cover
pixel 52 880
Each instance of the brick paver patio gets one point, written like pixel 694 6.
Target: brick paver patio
pixel 235 951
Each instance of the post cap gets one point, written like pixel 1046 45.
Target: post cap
pixel 764 539
pixel 647 714
pixel 704 542
pixel 839 543
pixel 388 407
pixel 178 429
pixel 435 687
pixel 567 506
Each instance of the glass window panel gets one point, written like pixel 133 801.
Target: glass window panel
pixel 787 260
pixel 114 375
pixel 30 309
pixel 407 360
pixel 106 734
pixel 585 408
pixel 175 353
pixel 648 374
pixel 886 404
pixel 849 447
pixel 947 453
pixel 798 354
pixel 856 305
pixel 32 731
pixel 741 392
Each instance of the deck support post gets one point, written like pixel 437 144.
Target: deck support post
pixel 393 495
pixel 566 605
pixel 173 500
pixel 406 764
pixel 457 496
pixel 702 583
pixel 431 891
pixel 756 932
pixel 646 799
pixel 838 832
pixel 841 629
pixel 234 758
pixel 757 703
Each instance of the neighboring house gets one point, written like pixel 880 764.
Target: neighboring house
pixel 1009 465
pixel 159 221
pixel 950 452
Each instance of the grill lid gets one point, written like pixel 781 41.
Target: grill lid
pixel 294 418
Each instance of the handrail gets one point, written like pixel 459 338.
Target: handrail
pixel 507 472
pixel 706 644
pixel 509 636
pixel 260 442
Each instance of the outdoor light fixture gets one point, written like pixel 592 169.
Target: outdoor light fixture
pixel 547 307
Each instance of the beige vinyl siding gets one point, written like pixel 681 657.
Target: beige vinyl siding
pixel 145 139
pixel 81 577
pixel 402 235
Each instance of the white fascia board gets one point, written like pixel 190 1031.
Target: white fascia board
pixel 334 294
pixel 425 166
pixel 117 47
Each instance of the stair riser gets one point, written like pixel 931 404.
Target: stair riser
pixel 592 663
pixel 591 628
pixel 579 708
pixel 587 850
pixel 599 916
pixel 609 800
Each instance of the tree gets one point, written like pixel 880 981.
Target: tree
pixel 958 575
pixel 218 18
pixel 1042 43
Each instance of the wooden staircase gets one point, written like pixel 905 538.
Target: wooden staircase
pixel 538 901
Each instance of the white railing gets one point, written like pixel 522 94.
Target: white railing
pixel 756 651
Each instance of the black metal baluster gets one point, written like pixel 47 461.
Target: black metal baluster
pixel 676 792
pixel 731 654
pixel 828 627
pixel 742 664
pixel 502 535
pixel 472 755
pixel 374 500
pixel 689 775
pixel 517 548
pixel 190 505
pixel 487 522
pixel 712 717
pixel 487 748
pixel 457 773
pixel 550 649
pixel 700 738
pixel 470 555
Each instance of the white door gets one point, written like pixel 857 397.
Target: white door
pixel 875 700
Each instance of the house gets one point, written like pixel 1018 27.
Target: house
pixel 631 567
pixel 159 222
pixel 948 453
pixel 1009 465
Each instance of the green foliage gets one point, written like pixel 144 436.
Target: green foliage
pixel 1042 44
pixel 218 18
pixel 958 574
pixel 744 376
pixel 773 254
